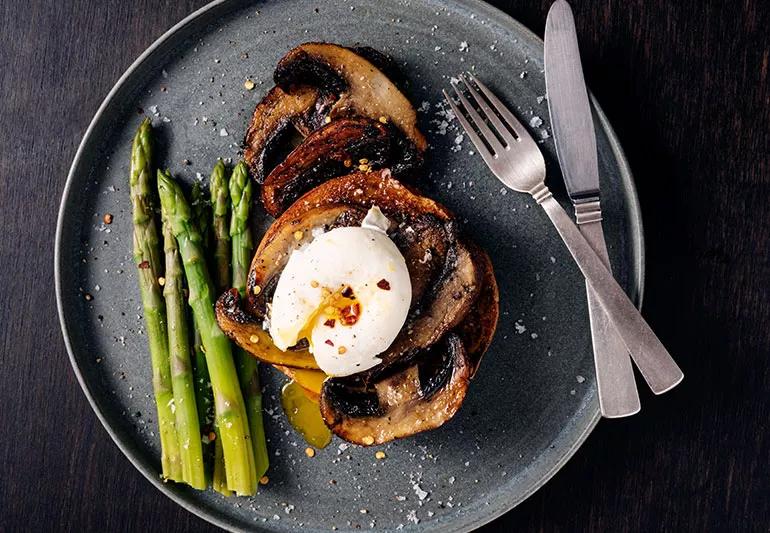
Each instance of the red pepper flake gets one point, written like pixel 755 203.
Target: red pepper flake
pixel 329 342
pixel 348 293
pixel 329 323
pixel 350 313
pixel 383 284
pixel 144 264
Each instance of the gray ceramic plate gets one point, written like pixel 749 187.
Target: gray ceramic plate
pixel 532 403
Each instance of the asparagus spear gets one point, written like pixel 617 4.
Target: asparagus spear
pixel 220 202
pixel 219 481
pixel 203 216
pixel 187 426
pixel 203 398
pixel 248 373
pixel 148 261
pixel 229 406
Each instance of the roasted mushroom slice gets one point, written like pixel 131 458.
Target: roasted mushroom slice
pixel 335 149
pixel 417 398
pixel 384 62
pixel 478 327
pixel 274 118
pixel 362 88
pixel 247 332
pixel 448 300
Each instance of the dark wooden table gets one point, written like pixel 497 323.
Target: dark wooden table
pixel 684 82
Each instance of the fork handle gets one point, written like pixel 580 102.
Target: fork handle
pixel 660 370
pixel 615 383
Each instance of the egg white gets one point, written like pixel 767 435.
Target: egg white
pixel 355 257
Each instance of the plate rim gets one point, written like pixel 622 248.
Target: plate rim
pixel 176 494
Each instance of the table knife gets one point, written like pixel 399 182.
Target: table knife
pixel 573 132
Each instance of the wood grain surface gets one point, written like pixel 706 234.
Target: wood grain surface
pixel 684 82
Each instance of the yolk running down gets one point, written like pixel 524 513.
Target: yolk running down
pixel 339 308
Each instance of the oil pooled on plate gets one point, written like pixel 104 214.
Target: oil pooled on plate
pixel 303 414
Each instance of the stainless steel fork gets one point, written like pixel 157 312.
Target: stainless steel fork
pixel 513 156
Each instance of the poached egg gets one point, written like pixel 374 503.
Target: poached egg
pixel 347 292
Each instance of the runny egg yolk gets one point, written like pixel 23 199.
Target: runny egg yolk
pixel 337 308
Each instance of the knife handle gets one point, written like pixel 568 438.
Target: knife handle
pixel 615 383
pixel 659 368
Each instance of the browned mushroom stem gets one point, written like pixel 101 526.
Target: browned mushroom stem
pixel 422 396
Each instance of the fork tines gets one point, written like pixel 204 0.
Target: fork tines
pixel 501 140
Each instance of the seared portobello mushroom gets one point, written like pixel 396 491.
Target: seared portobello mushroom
pixel 408 400
pixel 320 82
pixel 450 297
pixel 335 149
pixel 384 62
pixel 276 116
pixel 363 89
pixel 478 327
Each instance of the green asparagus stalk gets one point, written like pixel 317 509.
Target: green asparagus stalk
pixel 204 401
pixel 187 425
pixel 229 406
pixel 248 372
pixel 202 214
pixel 147 257
pixel 219 481
pixel 220 202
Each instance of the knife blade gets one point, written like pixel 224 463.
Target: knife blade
pixel 573 131
pixel 575 138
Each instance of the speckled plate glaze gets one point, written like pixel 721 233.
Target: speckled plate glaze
pixel 533 401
